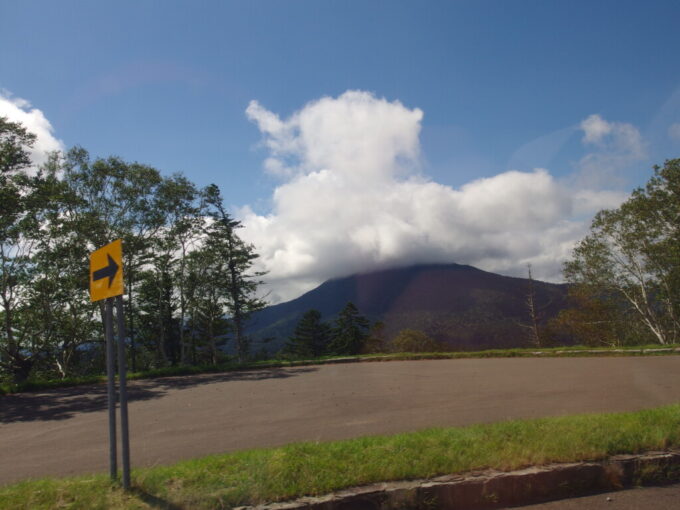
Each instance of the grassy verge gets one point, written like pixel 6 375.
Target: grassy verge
pixel 571 351
pixel 256 476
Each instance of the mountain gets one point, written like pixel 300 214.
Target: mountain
pixel 460 305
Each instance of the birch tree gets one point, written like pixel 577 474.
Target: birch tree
pixel 634 252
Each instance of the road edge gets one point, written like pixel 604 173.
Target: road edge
pixel 497 489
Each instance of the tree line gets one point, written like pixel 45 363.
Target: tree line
pixel 189 279
pixel 349 334
pixel 313 338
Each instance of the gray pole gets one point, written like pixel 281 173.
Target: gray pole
pixel 111 374
pixel 122 382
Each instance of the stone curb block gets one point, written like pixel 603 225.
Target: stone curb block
pixel 497 489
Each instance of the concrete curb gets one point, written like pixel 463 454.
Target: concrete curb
pixel 497 489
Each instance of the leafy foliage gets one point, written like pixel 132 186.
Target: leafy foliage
pixel 19 227
pixel 238 257
pixel 632 255
pixel 189 278
pixel 411 340
pixel 376 341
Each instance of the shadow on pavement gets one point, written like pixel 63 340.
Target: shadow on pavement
pixel 64 403
pixel 189 381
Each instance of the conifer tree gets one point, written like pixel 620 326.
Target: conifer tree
pixel 239 257
pixel 311 336
pixel 350 331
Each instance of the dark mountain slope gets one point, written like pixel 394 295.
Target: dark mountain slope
pixel 463 306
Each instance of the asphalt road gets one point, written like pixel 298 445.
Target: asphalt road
pixel 648 498
pixel 64 431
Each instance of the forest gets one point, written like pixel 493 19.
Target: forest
pixel 189 279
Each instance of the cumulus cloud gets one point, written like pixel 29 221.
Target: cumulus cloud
pixel 353 199
pixel 20 110
pixel 613 146
pixel 356 136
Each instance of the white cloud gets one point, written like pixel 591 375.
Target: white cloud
pixel 595 128
pixel 353 200
pixel 619 137
pixel 613 147
pixel 586 201
pixel 357 136
pixel 674 131
pixel 20 110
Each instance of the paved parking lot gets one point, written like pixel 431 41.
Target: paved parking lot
pixel 64 431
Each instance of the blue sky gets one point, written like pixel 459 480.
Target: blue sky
pixel 501 85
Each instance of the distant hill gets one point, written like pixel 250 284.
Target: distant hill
pixel 461 305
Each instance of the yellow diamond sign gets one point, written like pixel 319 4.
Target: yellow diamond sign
pixel 106 271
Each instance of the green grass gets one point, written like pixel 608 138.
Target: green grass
pixel 256 476
pixel 571 351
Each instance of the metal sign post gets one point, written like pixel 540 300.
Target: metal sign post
pixel 122 382
pixel 106 282
pixel 111 386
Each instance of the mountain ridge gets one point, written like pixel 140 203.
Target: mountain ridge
pixel 460 305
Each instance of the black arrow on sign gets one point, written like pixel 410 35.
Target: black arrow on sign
pixel 106 272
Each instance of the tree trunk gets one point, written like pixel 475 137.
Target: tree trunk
pixel 237 307
pixel 21 369
pixel 213 345
pixel 182 310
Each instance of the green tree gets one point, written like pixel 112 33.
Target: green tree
pixel 163 282
pixel 182 234
pixel 18 227
pixel 158 326
pixel 242 280
pixel 411 340
pixel 207 298
pixel 114 199
pixel 60 308
pixel 633 253
pixel 15 144
pixel 311 336
pixel 377 339
pixel 350 331
pixel 597 320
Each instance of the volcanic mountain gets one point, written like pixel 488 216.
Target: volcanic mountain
pixel 463 306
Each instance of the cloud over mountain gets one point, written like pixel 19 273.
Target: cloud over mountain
pixel 352 198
